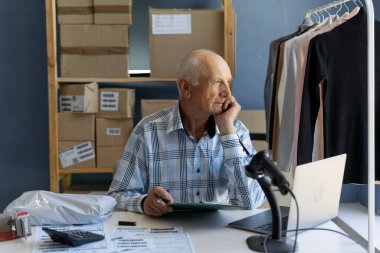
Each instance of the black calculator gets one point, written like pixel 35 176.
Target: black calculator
pixel 72 237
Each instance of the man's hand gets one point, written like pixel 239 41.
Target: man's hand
pixel 225 119
pixel 156 201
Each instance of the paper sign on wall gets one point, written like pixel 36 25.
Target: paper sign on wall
pixel 171 23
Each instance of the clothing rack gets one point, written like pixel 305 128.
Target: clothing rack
pixel 371 111
pixel 326 7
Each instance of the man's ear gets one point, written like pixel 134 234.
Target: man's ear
pixel 185 88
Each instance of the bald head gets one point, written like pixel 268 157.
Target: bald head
pixel 197 64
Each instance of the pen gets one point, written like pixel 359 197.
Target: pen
pixel 127 223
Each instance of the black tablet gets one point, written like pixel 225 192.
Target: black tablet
pixel 203 206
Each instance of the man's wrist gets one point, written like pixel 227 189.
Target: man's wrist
pixel 226 130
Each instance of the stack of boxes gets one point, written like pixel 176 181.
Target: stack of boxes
pixel 76 125
pixel 114 124
pixel 93 127
pixel 90 117
pixel 94 37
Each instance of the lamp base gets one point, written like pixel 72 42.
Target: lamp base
pixel 282 245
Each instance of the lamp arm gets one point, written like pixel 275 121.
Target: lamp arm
pixel 276 212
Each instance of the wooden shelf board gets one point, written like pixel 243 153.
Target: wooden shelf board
pixel 87 188
pixel 85 170
pixel 115 80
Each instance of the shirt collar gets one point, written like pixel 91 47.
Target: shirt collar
pixel 175 122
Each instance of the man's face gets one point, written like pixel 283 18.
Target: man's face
pixel 213 89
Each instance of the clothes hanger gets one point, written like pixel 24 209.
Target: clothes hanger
pixel 316 17
pixel 328 17
pixel 321 16
pixel 340 8
pixel 360 2
pixel 348 10
pixel 328 13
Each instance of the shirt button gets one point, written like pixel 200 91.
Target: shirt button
pixel 198 170
pixel 197 193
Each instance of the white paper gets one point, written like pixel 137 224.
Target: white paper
pixel 70 103
pixel 43 243
pixel 171 23
pixel 157 240
pixel 76 154
pixel 113 131
pixel 109 101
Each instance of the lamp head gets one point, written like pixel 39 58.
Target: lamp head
pixel 261 165
pixel 257 162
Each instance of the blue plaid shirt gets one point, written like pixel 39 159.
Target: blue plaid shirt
pixel 160 152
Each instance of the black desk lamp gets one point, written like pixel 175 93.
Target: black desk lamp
pixel 267 174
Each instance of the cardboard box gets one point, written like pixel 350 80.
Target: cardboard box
pixel 113 132
pixel 76 155
pixel 108 156
pixel 254 120
pixel 174 33
pixel 76 127
pixel 113 12
pixel 116 103
pixel 94 50
pixel 75 11
pixel 79 98
pixel 149 106
pixel 260 145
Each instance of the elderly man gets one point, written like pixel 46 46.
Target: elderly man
pixel 193 152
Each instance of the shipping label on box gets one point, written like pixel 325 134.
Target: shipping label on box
pixel 79 98
pixel 113 12
pixel 109 101
pixel 69 103
pixel 116 103
pixel 94 50
pixel 113 132
pixel 75 12
pixel 171 23
pixel 76 127
pixel 76 154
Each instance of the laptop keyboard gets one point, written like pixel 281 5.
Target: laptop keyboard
pixel 268 227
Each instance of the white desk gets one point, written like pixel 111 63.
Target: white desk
pixel 356 216
pixel 208 233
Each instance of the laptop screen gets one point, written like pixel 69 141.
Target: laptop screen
pixel 317 187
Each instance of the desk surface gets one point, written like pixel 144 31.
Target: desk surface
pixel 208 233
pixel 356 216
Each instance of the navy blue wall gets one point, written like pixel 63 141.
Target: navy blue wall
pixel 24 146
pixel 24 154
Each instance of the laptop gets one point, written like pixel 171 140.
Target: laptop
pixel 317 187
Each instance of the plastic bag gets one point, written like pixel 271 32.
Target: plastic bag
pixel 47 207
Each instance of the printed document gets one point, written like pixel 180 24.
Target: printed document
pixel 157 240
